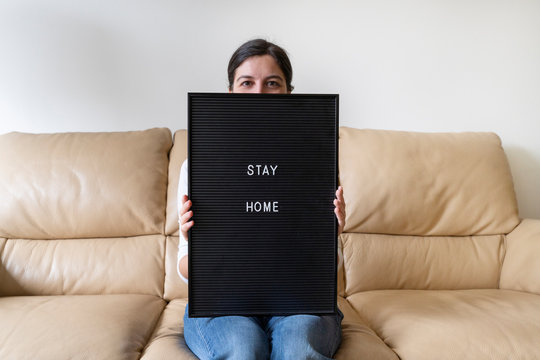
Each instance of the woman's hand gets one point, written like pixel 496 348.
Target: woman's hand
pixel 340 209
pixel 185 215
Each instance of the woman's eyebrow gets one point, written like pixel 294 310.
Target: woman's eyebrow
pixel 244 77
pixel 249 77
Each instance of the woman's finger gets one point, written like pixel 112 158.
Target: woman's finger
pixel 187 226
pixel 340 216
pixel 339 194
pixel 340 206
pixel 185 206
pixel 184 219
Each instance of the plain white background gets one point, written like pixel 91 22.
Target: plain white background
pixel 419 65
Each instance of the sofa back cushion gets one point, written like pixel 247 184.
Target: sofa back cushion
pixel 132 265
pixel 437 184
pixel 380 262
pixel 83 213
pixel 83 185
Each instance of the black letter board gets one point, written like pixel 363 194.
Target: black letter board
pixel 262 179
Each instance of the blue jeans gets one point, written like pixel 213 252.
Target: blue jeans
pixel 295 337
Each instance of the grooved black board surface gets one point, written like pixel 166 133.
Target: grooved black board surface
pixel 262 179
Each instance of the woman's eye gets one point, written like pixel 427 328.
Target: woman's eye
pixel 245 83
pixel 272 83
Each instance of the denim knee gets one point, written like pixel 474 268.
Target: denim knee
pixel 305 337
pixel 226 337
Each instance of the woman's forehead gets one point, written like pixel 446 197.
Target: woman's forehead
pixel 259 66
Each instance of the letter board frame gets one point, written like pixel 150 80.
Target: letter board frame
pixel 263 171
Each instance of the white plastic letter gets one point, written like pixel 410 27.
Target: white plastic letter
pixel 257 208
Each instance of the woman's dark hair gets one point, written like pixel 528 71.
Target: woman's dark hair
pixel 260 47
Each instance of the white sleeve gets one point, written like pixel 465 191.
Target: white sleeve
pixel 182 190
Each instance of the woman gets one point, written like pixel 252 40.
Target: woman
pixel 257 66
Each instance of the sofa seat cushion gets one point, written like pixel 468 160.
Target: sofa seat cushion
pixel 460 324
pixel 358 340
pixel 167 342
pixel 77 327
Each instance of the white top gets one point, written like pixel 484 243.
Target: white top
pixel 182 190
pixel 182 244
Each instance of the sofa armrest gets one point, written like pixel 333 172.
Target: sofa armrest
pixel 521 266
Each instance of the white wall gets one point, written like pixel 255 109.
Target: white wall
pixel 419 65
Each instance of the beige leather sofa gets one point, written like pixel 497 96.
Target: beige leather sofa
pixel 437 263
